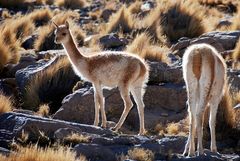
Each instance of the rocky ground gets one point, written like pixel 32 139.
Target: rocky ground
pixel 46 77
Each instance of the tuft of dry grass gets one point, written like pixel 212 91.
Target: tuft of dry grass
pixel 140 154
pixel 5 104
pixel 135 8
pixel 41 17
pixel 34 153
pixel 142 46
pixel 43 110
pixel 175 19
pixel 236 56
pixel 4 56
pixel 121 21
pixel 76 138
pixel 71 4
pixel 50 85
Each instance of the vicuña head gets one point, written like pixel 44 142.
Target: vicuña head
pixel 62 33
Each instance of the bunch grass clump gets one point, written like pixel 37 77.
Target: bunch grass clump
pixel 142 46
pixel 35 153
pixel 175 19
pixel 122 21
pixel 6 104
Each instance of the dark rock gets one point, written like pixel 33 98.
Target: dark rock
pixel 28 43
pixel 12 125
pixel 4 151
pixel 208 155
pixel 106 13
pixel 95 152
pixel 216 39
pixel 234 80
pixel 112 41
pixel 8 87
pixel 79 106
pixel 224 23
pixel 162 73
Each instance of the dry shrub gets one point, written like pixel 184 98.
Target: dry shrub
pixel 22 27
pixel 34 153
pixel 50 85
pixel 135 8
pixel 76 138
pixel 236 56
pixel 45 40
pixel 142 46
pixel 5 104
pixel 235 21
pixel 173 128
pixel 43 110
pixel 41 17
pixel 140 154
pixel 121 21
pixel 71 4
pixel 4 54
pixel 175 19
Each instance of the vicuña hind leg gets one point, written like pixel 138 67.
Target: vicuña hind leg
pixel 137 93
pixel 96 101
pixel 124 91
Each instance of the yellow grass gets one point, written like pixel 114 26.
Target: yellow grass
pixel 34 153
pixel 236 56
pixel 5 55
pixel 142 46
pixel 175 19
pixel 121 21
pixel 5 104
pixel 41 16
pixel 76 138
pixel 135 8
pixel 43 110
pixel 140 154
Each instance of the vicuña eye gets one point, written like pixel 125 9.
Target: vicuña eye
pixel 64 34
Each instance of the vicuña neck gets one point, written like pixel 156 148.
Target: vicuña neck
pixel 72 50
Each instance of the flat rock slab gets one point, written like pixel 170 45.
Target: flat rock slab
pixel 12 124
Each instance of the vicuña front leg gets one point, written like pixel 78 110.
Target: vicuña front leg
pixel 100 100
pixel 96 101
pixel 127 107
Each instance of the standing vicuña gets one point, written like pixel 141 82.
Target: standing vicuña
pixel 204 72
pixel 110 69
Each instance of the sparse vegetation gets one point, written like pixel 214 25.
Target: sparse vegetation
pixel 121 21
pixel 34 153
pixel 38 90
pixel 76 138
pixel 139 154
pixel 43 110
pixel 5 104
pixel 142 46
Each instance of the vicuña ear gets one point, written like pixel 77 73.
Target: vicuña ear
pixel 55 25
pixel 67 24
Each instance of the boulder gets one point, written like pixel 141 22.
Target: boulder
pixel 79 106
pixel 28 43
pixel 12 124
pixel 234 80
pixel 112 40
pixel 216 38
pixel 8 87
pixel 162 73
pixel 4 151
pixel 106 13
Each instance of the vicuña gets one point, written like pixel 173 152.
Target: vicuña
pixel 204 72
pixel 108 69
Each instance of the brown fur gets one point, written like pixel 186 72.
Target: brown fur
pixel 197 63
